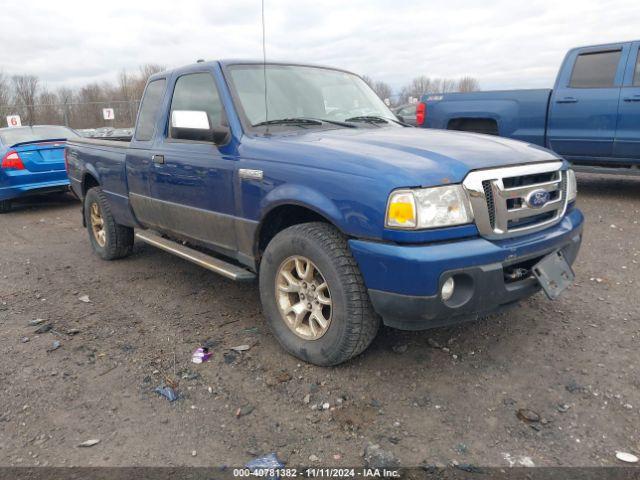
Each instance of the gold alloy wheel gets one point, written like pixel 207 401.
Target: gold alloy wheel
pixel 97 225
pixel 303 298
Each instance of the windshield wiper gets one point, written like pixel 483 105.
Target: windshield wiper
pixel 290 121
pixel 335 122
pixel 368 119
pixel 301 121
pixel 376 120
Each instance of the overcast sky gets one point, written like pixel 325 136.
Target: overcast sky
pixel 505 44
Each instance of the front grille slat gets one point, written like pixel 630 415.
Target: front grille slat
pixel 486 186
pixel 502 203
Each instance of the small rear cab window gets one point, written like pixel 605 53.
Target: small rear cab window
pixel 149 109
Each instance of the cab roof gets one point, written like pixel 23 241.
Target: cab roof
pixel 224 63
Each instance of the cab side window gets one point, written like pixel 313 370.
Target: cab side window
pixel 636 76
pixel 595 70
pixel 198 92
pixel 149 109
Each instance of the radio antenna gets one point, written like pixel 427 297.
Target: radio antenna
pixel 264 73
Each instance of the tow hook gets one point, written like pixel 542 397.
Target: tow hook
pixel 516 274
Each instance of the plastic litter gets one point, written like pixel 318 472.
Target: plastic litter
pixel 167 392
pixel 90 443
pixel 201 354
pixel 244 410
pixel 240 348
pixel 84 298
pixel 626 457
pixel 265 462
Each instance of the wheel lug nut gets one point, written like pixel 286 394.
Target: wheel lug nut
pixel 302 296
pixel 309 306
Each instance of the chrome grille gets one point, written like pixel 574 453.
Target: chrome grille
pixel 486 187
pixel 500 198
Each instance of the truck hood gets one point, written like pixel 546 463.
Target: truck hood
pixel 410 156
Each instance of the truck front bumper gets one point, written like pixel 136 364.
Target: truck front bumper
pixel 405 281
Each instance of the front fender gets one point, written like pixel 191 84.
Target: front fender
pixel 304 196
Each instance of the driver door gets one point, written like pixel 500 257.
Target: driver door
pixel 192 180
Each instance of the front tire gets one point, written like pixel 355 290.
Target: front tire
pixel 5 206
pixel 109 239
pixel 313 295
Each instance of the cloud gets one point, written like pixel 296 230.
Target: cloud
pixel 505 44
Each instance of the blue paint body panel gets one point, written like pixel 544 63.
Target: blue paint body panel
pixel 416 269
pixel 584 125
pixel 44 170
pixel 519 114
pixel 343 174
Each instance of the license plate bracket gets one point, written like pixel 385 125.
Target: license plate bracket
pixel 554 274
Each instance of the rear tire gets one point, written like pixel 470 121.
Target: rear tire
pixel 352 323
pixel 109 239
pixel 5 206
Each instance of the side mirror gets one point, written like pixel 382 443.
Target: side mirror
pixel 195 125
pixel 221 134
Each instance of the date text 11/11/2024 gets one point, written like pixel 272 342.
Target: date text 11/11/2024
pixel 318 472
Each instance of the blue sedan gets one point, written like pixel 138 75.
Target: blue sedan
pixel 32 161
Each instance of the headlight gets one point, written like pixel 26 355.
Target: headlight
pixel 428 208
pixel 572 185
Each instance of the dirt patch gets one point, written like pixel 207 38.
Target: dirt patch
pixel 451 394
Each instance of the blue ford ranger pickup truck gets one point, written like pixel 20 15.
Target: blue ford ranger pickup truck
pixel 591 117
pixel 346 216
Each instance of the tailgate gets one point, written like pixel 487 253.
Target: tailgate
pixel 42 156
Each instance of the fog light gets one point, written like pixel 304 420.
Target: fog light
pixel 447 289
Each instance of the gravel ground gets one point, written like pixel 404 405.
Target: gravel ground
pixel 434 397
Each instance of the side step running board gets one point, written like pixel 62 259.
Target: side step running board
pixel 214 264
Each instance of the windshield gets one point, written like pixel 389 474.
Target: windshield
pixel 305 92
pixel 11 136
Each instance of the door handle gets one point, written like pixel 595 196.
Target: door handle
pixel 567 100
pixel 157 158
pixel 635 98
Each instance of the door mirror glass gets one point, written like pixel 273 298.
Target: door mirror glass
pixel 190 119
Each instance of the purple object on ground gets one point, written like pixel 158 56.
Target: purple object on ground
pixel 201 354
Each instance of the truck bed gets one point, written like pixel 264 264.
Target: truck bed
pixel 518 114
pixel 88 157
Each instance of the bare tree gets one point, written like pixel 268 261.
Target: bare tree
pixel 447 85
pixel 141 80
pixel 5 98
pixel 65 100
pixel 468 84
pixel 416 88
pixel 382 89
pixel 425 85
pixel 125 94
pixel 48 109
pixel 25 88
pixel 90 100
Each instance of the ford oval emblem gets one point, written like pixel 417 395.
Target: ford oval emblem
pixel 538 198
